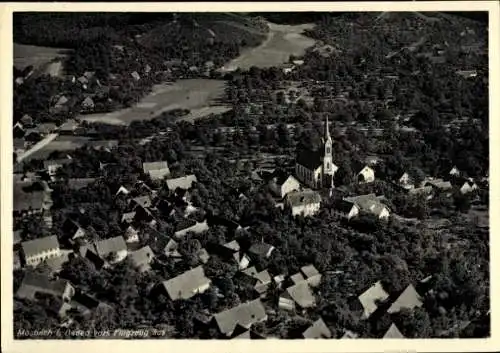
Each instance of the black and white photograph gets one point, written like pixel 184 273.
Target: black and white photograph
pixel 250 175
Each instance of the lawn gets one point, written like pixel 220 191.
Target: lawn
pixel 39 57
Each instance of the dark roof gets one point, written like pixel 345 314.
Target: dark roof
pixel 344 206
pixel 36 283
pixel 245 315
pixel 309 158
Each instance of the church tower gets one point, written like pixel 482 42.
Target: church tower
pixel 328 167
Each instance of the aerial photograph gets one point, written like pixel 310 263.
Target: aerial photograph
pixel 250 175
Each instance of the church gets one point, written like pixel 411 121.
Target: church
pixel 316 168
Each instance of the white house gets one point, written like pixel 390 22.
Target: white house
pixel 282 185
pixel 306 203
pixel 38 250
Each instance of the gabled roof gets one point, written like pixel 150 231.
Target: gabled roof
pixel 245 315
pixel 344 206
pixel 301 294
pixel 37 283
pixel 233 245
pixel 367 203
pixel 261 249
pixel 371 297
pixel 310 159
pixel 36 246
pixel 393 332
pixel 317 330
pixel 198 227
pixel 408 299
pixel 110 245
pixel 156 170
pixel 185 182
pixel 309 271
pixel 299 198
pixel 143 201
pixel 141 258
pixel 68 125
pixel 187 284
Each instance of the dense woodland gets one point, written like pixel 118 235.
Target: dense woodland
pixel 350 256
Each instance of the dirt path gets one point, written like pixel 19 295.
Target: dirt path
pixel 38 146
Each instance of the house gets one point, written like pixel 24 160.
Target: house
pixel 259 280
pixel 405 181
pixel 188 284
pixel 88 104
pixel 141 259
pixel 28 201
pixel 297 278
pixel 278 280
pixel 288 68
pixel 454 172
pixel 467 186
pixel 135 76
pixel 83 81
pixel 51 166
pixel 72 230
pixel 306 203
pixel 26 120
pixel 283 184
pixel 233 251
pixel 467 73
pixel 183 183
pixel 311 275
pixel 260 250
pixel 370 204
pixel 61 102
pixel 408 299
pixel 317 330
pixel 37 250
pixel 244 315
pixel 364 173
pixel 298 295
pixel 198 227
pixel 141 201
pixel 393 332
pixel 147 69
pixel 371 298
pixel 128 217
pixel 156 170
pixel 315 168
pixel 68 127
pixel 122 190
pixel 18 130
pixel 345 209
pixel 112 250
pixel 298 62
pixel 34 283
pixel 131 235
pixel 171 250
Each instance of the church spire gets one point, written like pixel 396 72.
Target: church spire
pixel 327 130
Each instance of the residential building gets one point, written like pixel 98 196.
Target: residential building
pixel 142 258
pixel 183 183
pixel 187 284
pixel 197 227
pixel 260 249
pixel 371 298
pixel 36 283
pixel 345 209
pixel 317 330
pixel 38 250
pixel 68 127
pixel 51 166
pixel 131 235
pixel 467 185
pixel 244 315
pixel 259 280
pixel 408 299
pixel 55 264
pixel 405 181
pixel 305 203
pixel 311 275
pixel 72 230
pixel 283 184
pixel 128 217
pixel 393 332
pixel 316 168
pixel 156 170
pixel 135 76
pixel 370 204
pixel 364 173
pixel 298 295
pixel 112 250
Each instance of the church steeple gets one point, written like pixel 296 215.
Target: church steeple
pixel 327 131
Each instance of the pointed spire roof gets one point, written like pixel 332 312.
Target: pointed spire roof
pixel 327 130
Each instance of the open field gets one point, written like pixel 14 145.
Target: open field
pixel 282 41
pixel 67 143
pixel 197 95
pixel 39 57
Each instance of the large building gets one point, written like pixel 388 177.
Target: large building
pixel 316 168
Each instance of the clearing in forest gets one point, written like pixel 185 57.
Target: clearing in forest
pixel 281 42
pixel 41 58
pixel 197 95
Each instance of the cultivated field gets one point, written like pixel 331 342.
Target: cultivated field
pixel 282 41
pixel 197 95
pixel 39 57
